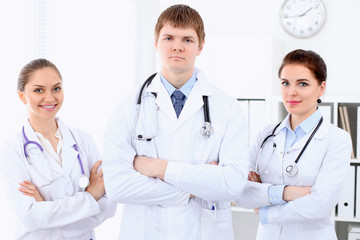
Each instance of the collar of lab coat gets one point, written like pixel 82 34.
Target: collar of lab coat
pixel 69 154
pixel 280 133
pixel 192 104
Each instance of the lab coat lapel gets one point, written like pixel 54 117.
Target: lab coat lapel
pixel 279 140
pixel 192 104
pixel 30 134
pixel 163 99
pixel 195 101
pixel 321 133
pixel 69 154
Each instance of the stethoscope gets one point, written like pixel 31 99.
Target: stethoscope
pixel 83 180
pixel 292 169
pixel 206 130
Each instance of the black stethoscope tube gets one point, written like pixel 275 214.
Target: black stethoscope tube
pixel 146 84
pixel 205 98
pixel 206 109
pixel 291 169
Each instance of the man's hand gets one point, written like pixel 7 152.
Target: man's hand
pixel 151 167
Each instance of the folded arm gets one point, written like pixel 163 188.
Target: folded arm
pixel 122 183
pixel 222 182
pixel 324 194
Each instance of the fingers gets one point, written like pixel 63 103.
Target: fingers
pixel 100 173
pixel 214 163
pixel 27 188
pixel 28 185
pixel 26 191
pixel 95 167
pixel 254 177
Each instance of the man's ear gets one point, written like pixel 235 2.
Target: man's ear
pixel 156 45
pixel 201 47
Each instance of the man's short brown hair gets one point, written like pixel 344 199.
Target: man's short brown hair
pixel 181 16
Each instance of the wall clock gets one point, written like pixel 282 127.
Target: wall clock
pixel 302 18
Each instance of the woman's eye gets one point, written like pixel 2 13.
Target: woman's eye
pixel 57 89
pixel 38 90
pixel 303 84
pixel 284 83
pixel 188 40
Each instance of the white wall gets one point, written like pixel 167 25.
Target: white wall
pixel 338 42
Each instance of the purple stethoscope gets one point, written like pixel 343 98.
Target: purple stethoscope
pixel 83 180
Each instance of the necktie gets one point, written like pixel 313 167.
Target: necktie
pixel 178 105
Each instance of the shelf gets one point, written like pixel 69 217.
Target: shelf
pixel 343 219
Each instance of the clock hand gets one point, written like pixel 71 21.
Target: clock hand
pixel 306 12
pixel 299 15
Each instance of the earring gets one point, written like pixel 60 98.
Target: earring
pixel 319 100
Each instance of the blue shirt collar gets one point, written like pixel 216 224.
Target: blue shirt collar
pixel 186 89
pixel 307 125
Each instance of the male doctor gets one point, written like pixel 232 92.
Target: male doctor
pixel 175 180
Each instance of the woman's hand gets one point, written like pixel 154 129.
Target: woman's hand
pixel 254 177
pixel 29 189
pixel 293 192
pixel 96 187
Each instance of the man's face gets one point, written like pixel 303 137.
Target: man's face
pixel 178 49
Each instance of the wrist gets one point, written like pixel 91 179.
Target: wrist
pixel 92 194
pixel 285 195
pixel 161 166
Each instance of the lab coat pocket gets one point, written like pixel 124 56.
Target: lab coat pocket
pixel 145 148
pixel 316 230
pixel 216 224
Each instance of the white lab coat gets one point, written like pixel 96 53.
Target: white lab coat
pixel 162 210
pixel 67 212
pixel 323 166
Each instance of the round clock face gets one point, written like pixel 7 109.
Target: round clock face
pixel 302 18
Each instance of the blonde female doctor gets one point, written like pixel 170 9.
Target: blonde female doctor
pixel 299 165
pixel 51 172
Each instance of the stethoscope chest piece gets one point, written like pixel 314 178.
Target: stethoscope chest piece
pixel 83 181
pixel 206 130
pixel 291 170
